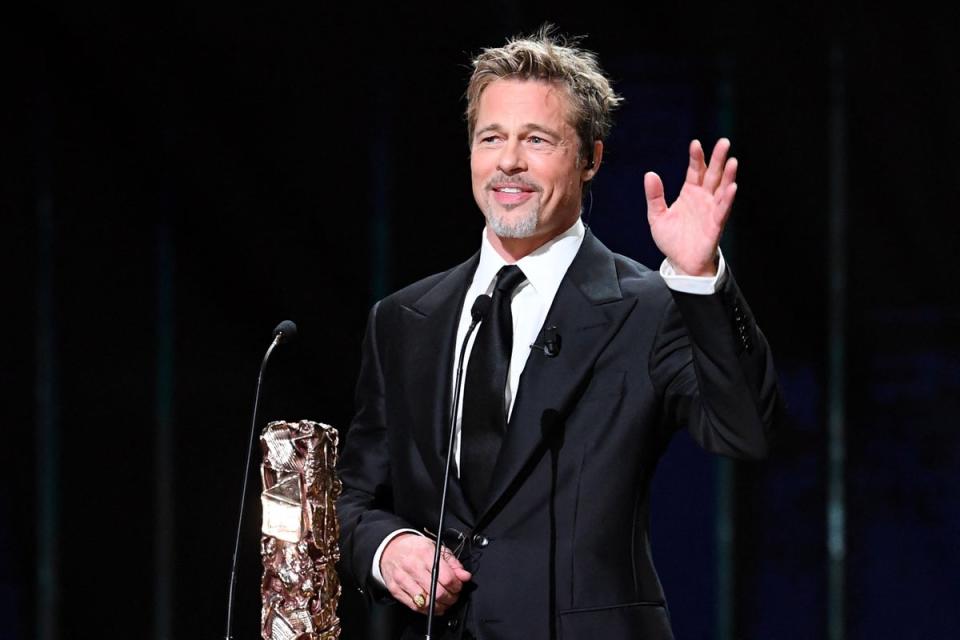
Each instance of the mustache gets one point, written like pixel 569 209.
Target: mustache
pixel 502 179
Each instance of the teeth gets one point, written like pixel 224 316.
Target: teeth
pixel 509 190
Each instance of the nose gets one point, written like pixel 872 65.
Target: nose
pixel 511 158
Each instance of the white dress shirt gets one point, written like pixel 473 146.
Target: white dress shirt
pixel 544 268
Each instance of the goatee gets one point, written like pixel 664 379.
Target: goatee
pixel 505 225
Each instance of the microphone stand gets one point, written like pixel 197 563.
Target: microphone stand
pixel 478 311
pixel 279 336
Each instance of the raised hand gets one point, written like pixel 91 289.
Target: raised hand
pixel 688 231
pixel 406 564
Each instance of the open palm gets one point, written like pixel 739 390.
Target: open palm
pixel 688 231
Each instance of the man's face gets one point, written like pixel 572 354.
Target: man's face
pixel 527 180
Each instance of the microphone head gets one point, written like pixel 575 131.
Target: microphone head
pixel 287 331
pixel 480 307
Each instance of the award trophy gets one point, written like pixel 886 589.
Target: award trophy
pixel 299 547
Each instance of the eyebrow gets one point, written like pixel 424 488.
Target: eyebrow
pixel 528 126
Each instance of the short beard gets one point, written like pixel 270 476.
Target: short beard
pixel 506 226
pixel 499 218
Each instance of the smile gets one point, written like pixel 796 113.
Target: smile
pixel 512 195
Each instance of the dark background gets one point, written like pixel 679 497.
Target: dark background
pixel 177 181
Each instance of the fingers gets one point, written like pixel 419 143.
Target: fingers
pixel 402 565
pixel 451 577
pixel 717 168
pixel 729 174
pixel 696 169
pixel 406 565
pixel 725 202
pixel 653 187
pixel 716 176
pixel 411 589
pixel 408 591
pixel 454 563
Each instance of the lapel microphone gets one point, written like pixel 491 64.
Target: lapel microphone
pixel 549 342
pixel 479 310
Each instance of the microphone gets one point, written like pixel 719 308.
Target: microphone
pixel 287 332
pixel 284 332
pixel 479 310
pixel 551 342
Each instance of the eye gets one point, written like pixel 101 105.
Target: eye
pixel 536 140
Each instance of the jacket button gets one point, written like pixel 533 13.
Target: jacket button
pixel 480 540
pixel 452 623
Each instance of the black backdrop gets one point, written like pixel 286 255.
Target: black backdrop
pixel 177 181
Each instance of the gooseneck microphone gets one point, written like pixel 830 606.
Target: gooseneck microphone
pixel 479 310
pixel 285 332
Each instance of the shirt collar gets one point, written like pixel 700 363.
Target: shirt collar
pixel 544 267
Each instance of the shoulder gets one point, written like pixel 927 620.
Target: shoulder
pixel 412 292
pixel 426 294
pixel 634 279
pixel 645 285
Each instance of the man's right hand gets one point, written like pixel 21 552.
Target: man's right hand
pixel 406 564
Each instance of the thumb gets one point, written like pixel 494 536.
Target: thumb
pixel 653 188
pixel 462 574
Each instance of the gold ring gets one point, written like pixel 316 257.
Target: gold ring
pixel 420 600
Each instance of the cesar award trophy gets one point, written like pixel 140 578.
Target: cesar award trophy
pixel 300 588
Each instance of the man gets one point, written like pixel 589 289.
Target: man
pixel 581 370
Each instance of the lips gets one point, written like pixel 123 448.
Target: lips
pixel 512 194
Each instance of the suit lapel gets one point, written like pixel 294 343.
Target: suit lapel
pixel 430 324
pixel 586 311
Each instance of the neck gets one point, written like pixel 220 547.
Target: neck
pixel 512 249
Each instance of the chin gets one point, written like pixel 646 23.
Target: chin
pixel 508 224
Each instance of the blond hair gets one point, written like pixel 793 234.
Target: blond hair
pixel 548 57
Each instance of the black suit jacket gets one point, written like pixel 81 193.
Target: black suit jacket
pixel 560 548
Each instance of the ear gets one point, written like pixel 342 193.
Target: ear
pixel 591 168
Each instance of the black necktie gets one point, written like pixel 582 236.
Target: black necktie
pixel 484 419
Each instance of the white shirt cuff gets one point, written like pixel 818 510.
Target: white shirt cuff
pixel 383 545
pixel 700 285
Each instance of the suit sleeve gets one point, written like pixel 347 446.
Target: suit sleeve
pixel 365 505
pixel 715 372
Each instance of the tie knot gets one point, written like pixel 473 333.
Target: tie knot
pixel 508 278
